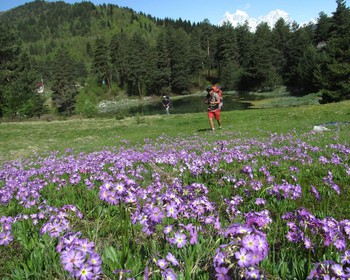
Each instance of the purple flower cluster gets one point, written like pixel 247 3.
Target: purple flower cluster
pixel 164 265
pixel 5 233
pixel 119 190
pixel 78 257
pixel 286 190
pixel 331 270
pixel 306 228
pixel 248 247
pixel 330 182
pixel 178 203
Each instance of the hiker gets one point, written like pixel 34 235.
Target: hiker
pixel 213 101
pixel 166 103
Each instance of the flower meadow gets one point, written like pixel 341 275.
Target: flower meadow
pixel 218 206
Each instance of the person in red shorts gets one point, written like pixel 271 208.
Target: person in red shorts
pixel 213 100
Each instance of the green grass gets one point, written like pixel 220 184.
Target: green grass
pixel 21 139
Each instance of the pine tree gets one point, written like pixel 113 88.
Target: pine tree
pixel 280 38
pixel 178 42
pixel 208 43
pixel 21 98
pixel 18 97
pixel 64 85
pixel 227 56
pixel 302 60
pixel 197 56
pixel 163 71
pixel 136 64
pixel 334 71
pixel 102 65
pixel 262 74
pixel 245 43
pixel 118 50
pixel 9 52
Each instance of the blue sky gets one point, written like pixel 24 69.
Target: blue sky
pixel 300 11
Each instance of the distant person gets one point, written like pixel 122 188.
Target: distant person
pixel 166 103
pixel 213 100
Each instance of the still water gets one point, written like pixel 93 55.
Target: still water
pixel 191 104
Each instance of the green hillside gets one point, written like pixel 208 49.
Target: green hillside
pixel 43 27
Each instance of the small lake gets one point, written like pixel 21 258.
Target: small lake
pixel 191 104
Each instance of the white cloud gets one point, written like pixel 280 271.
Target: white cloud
pixel 240 17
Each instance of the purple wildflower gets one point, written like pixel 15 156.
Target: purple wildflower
pixel 219 258
pixel 85 246
pixel 250 242
pixel 169 274
pixel 252 273
pixel 119 188
pixel 315 193
pixel 260 201
pixel 262 245
pixel 162 263
pixel 156 215
pixel 243 257
pixel 307 243
pixel 221 273
pixel 84 273
pixel 180 239
pixel 256 257
pixel 5 238
pixel 171 258
pixel 168 229
pixel 95 260
pixel 346 257
pixel 338 270
pixel 171 210
pixel 72 260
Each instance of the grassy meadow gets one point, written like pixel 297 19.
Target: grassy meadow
pixel 163 197
pixel 21 139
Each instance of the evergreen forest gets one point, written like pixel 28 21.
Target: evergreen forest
pixel 74 55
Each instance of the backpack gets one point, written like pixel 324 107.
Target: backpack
pixel 219 92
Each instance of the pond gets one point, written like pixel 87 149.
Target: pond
pixel 191 104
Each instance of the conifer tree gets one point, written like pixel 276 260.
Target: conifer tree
pixel 17 79
pixel 136 64
pixel 102 65
pixel 334 71
pixel 118 50
pixel 9 52
pixel 227 56
pixel 21 98
pixel 64 85
pixel 163 70
pixel 197 56
pixel 302 60
pixel 178 41
pixel 261 73
pixel 208 42
pixel 245 54
pixel 280 38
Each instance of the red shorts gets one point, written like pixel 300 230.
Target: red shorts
pixel 214 114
